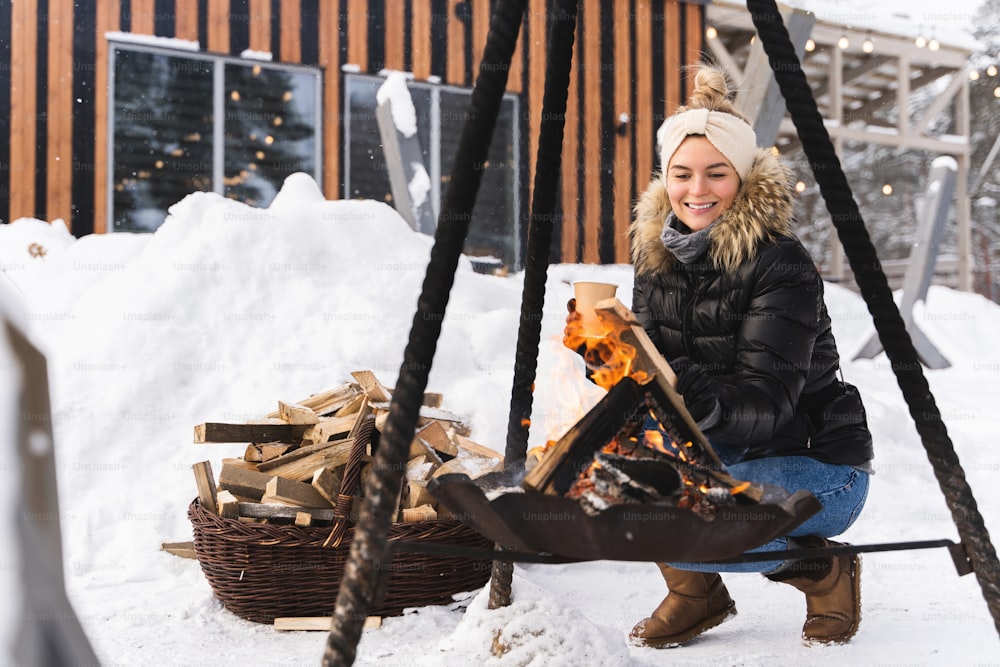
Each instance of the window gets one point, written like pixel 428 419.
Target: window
pixel 441 112
pixel 184 122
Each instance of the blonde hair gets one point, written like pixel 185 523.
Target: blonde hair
pixel 711 91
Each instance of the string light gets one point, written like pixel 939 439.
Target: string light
pixel 996 92
pixel 868 45
pixel 810 45
pixel 887 189
pixel 992 70
pixel 974 75
pixel 800 187
pixel 711 32
pixel 933 45
pixel 920 41
pixel 843 43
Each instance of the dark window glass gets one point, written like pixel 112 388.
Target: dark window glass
pixel 162 135
pixel 492 240
pixel 269 126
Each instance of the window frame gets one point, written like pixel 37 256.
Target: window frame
pixel 434 144
pixel 219 63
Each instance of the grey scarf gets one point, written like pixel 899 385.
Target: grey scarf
pixel 686 247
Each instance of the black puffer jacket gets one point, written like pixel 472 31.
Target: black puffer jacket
pixel 751 312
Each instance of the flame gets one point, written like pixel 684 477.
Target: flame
pixel 739 488
pixel 609 358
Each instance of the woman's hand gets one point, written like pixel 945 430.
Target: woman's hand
pixel 699 390
pixel 571 332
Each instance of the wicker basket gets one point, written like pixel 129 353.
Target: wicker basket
pixel 264 571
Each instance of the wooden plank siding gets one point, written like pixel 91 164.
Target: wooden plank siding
pixel 627 74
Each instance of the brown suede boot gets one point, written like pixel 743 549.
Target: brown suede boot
pixel 697 601
pixel 833 593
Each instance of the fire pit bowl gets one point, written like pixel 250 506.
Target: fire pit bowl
pixel 537 522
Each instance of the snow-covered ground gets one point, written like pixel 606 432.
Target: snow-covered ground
pixel 227 309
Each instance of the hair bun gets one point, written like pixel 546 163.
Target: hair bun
pixel 711 91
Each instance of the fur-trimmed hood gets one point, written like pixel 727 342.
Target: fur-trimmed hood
pixel 762 209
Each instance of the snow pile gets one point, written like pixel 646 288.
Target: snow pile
pixel 227 309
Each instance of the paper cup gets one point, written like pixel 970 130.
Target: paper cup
pixel 587 295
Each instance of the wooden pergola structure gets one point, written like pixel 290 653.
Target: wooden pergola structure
pixel 865 71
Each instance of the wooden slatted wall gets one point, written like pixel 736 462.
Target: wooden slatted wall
pixel 628 64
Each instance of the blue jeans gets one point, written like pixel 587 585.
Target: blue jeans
pixel 841 490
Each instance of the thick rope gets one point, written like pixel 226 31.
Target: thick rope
pixel 559 60
pixel 874 288
pixel 363 575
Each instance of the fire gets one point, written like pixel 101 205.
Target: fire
pixel 608 357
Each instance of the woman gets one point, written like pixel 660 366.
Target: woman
pixel 735 304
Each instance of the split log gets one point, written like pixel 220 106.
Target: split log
pixel 328 401
pixel 275 511
pixel 301 468
pixel 229 505
pixel 252 453
pixel 284 491
pixel 420 513
pixel 294 413
pixel 217 432
pixel 436 437
pixel 243 482
pixel 272 450
pixel 205 480
pixel 474 448
pixel 327 482
pixel 375 390
pixel 181 549
pixel 317 623
pixel 330 428
pixel 303 519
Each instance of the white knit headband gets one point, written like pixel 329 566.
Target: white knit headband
pixel 731 136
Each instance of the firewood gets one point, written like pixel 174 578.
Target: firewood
pixel 293 413
pixel 252 453
pixel 327 481
pixel 421 513
pixel 181 549
pixel 463 443
pixel 574 451
pixel 328 401
pixel 301 468
pixel 372 388
pixel 648 358
pixel 418 495
pixel 303 519
pixel 317 623
pixel 216 432
pixel 420 448
pixel 419 468
pixel 239 463
pixel 284 491
pixel 229 505
pixel 436 437
pixel 473 466
pixel 282 512
pixel 272 450
pixel 329 428
pixel 206 485
pixel 352 407
pixel 243 482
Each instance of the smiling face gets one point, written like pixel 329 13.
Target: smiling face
pixel 701 183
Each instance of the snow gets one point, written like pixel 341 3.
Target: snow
pixel 253 54
pixel 227 309
pixel 395 92
pixel 419 186
pixel 153 40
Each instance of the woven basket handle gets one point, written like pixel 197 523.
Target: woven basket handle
pixel 352 475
